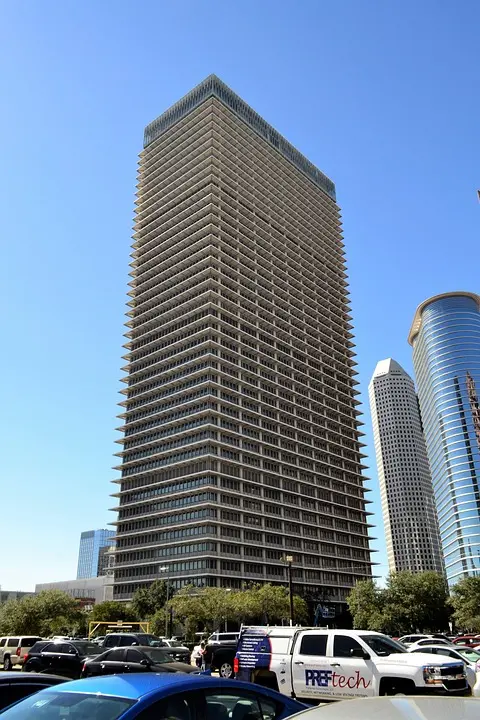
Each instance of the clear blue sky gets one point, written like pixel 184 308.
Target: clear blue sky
pixel 381 95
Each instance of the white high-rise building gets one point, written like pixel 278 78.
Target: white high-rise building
pixel 409 515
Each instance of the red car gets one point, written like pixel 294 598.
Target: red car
pixel 470 640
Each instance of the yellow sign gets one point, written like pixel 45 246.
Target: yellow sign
pixel 93 626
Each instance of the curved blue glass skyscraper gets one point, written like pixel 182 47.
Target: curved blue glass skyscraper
pixel 445 336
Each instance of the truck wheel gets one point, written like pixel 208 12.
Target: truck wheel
pixel 7 663
pixel 397 686
pixel 225 670
pixel 269 681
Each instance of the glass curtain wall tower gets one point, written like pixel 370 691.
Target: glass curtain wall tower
pixel 89 553
pixel 445 336
pixel 240 435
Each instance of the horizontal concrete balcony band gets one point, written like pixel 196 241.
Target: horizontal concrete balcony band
pixel 189 319
pixel 202 251
pixel 200 244
pixel 175 174
pixel 197 186
pixel 202 219
pixel 213 343
pixel 183 287
pixel 343 413
pixel 163 181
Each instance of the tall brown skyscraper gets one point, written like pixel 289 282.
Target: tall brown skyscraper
pixel 241 441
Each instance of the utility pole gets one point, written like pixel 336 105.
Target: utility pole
pixel 165 570
pixel 288 559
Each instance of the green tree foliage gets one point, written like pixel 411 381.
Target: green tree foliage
pixel 51 612
pixel 157 622
pixel 112 610
pixel 146 601
pixel 465 601
pixel 410 602
pixel 366 605
pixel 209 608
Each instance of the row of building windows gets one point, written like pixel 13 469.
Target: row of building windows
pixel 185 517
pixel 164 537
pixel 317 399
pixel 244 569
pixel 171 417
pixel 165 379
pixel 171 504
pixel 177 457
pixel 132 417
pixel 173 430
pixel 310 485
pixel 248 551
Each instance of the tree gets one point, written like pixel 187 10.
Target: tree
pixel 208 608
pixel 157 622
pixel 50 612
pixel 146 601
pixel 465 600
pixel 366 604
pixel 271 603
pixel 410 602
pixel 417 601
pixel 112 610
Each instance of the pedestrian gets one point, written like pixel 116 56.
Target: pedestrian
pixel 206 652
pixel 196 658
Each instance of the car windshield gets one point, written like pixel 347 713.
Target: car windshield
pixel 150 640
pixel 158 656
pixel 86 648
pixel 175 643
pixel 383 645
pixel 470 655
pixel 49 705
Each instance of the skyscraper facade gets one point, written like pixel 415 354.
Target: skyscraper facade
pixel 408 507
pixel 89 554
pixel 240 435
pixel 445 336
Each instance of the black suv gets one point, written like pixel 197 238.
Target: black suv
pixel 126 639
pixel 60 657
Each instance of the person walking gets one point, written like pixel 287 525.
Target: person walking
pixel 196 658
pixel 206 651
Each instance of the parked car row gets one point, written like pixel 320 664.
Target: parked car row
pixel 425 639
pixel 191 697
pixel 277 669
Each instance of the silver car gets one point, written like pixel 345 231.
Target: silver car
pixel 467 655
pixel 13 649
pixel 395 708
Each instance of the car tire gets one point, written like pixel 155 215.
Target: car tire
pixel 7 663
pixel 225 670
pixel 397 686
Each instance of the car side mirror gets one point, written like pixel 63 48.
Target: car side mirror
pixel 359 653
pixel 145 662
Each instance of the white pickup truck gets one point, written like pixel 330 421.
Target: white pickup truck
pixel 313 664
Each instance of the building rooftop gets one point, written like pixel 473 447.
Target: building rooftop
pixel 417 320
pixel 384 367
pixel 212 86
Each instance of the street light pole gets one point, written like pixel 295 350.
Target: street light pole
pixel 164 569
pixel 288 559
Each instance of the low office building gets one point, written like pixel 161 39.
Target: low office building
pixel 96 589
pixel 6 595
